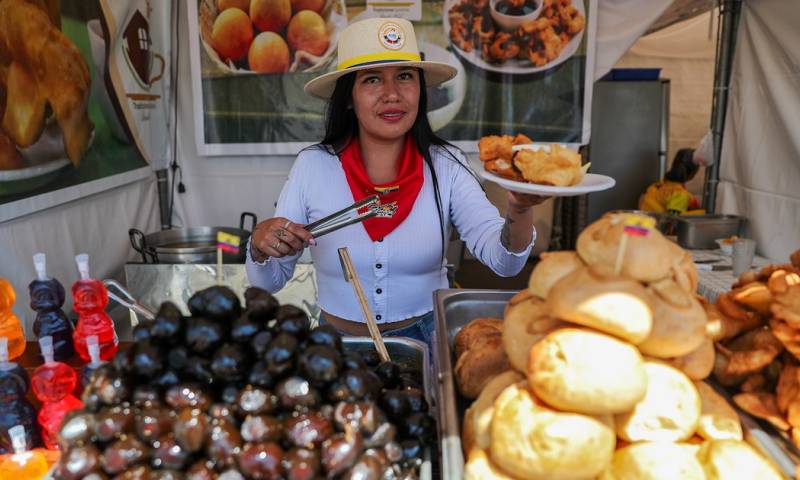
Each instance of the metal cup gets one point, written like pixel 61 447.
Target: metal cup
pixel 744 249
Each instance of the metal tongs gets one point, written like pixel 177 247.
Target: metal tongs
pixel 357 212
pixel 127 300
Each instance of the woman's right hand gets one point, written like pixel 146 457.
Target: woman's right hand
pixel 278 237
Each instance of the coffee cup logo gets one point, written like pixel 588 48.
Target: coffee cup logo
pixel 137 48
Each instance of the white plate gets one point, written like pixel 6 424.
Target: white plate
pixel 592 182
pixel 35 171
pixel 515 66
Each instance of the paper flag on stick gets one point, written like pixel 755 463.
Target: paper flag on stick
pixel 228 242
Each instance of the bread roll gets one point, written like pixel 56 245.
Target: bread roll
pixel 480 467
pixel 697 364
pixel 467 433
pixel 526 323
pixel 479 364
pixel 476 332
pixel 679 322
pixel 587 372
pixel 482 408
pixel 654 461
pixel 531 441
pixel 684 273
pixel 610 304
pixel 734 459
pixel 552 267
pixel 646 259
pixel 668 412
pixel 718 420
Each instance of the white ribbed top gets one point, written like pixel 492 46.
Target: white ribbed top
pixel 400 273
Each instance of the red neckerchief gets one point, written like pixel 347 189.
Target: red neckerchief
pixel 397 197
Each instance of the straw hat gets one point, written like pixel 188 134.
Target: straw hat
pixel 378 42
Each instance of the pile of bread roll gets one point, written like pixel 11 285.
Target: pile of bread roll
pixel 603 373
pixel 758 344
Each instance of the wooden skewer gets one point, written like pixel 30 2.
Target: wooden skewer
pixel 351 276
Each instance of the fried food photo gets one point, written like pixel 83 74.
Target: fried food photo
pixel 537 41
pixel 560 167
pixel 44 69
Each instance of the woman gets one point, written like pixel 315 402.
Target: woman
pixel 378 140
pixel 670 195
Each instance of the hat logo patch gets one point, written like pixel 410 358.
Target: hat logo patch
pixel 391 36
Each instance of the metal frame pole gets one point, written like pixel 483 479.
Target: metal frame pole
pixel 730 12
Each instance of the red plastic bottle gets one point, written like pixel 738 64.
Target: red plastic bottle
pixel 89 299
pixel 9 322
pixel 53 383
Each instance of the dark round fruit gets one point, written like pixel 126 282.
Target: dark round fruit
pixel 187 395
pixel 261 428
pixel 363 384
pixel 224 444
pixel 177 357
pixel 262 461
pixel 418 426
pixel 147 360
pixel 280 354
pixel 259 375
pixel 151 423
pixel 326 335
pixel 146 395
pixel 395 403
pixel 229 363
pixel 412 452
pixel 112 423
pixel 320 364
pixel 297 393
pixel 366 468
pixel 260 342
pixel 191 427
pixel 202 469
pixel 256 401
pixel 167 325
pixel 416 400
pixel 301 464
pixel 140 333
pixel 169 454
pixel 308 430
pixel 199 369
pixel 217 302
pixel 78 462
pixel 353 361
pixel 340 452
pixel 293 320
pixel 123 454
pixel 244 328
pixel 203 335
pixel 371 358
pixel 77 429
pixel 167 379
pixel 261 305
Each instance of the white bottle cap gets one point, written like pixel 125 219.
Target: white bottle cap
pixel 40 264
pixel 18 442
pixel 46 347
pixel 93 345
pixel 82 259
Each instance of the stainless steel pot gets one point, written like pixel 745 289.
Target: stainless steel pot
pixel 190 245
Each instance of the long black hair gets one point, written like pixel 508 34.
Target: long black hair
pixel 341 125
pixel 683 167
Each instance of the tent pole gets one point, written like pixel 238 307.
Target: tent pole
pixel 730 11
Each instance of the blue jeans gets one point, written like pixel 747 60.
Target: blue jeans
pixel 421 330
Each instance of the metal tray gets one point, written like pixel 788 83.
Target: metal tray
pixel 455 308
pixel 701 231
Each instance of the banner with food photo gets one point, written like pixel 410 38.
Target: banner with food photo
pixel 522 68
pixel 63 122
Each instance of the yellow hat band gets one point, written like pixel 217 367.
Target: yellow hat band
pixel 381 57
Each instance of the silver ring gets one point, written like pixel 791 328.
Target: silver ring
pixel 288 222
pixel 275 247
pixel 279 233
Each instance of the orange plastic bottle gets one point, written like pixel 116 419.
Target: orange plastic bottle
pixel 9 322
pixel 23 464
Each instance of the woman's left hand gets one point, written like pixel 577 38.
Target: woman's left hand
pixel 522 202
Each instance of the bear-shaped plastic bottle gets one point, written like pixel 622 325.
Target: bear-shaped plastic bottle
pixel 47 298
pixel 23 464
pixel 89 368
pixel 9 322
pixel 53 384
pixel 15 409
pixel 89 299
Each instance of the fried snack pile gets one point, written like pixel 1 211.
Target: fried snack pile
pixel 538 41
pixel 39 68
pixel 757 331
pixel 559 166
pixel 604 372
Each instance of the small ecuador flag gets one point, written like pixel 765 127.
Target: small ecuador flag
pixel 639 225
pixel 228 242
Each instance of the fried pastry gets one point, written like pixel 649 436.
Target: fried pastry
pixel 560 167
